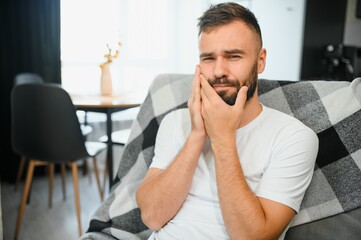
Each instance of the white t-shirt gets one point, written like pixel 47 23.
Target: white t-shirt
pixel 277 154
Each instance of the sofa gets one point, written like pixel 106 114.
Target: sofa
pixel 331 208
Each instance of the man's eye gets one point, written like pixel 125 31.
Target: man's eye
pixel 234 57
pixel 207 59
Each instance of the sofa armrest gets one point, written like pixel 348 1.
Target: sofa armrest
pixel 342 226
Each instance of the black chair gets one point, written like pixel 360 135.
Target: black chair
pixel 46 130
pixel 25 78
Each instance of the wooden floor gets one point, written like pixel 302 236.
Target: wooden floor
pixel 59 222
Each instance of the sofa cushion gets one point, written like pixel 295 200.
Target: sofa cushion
pixel 333 111
pixel 345 225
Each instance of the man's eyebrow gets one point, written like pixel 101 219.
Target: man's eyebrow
pixel 203 55
pixel 233 51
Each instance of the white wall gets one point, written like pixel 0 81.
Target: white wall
pixel 282 24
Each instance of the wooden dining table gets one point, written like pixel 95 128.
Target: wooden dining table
pixel 108 105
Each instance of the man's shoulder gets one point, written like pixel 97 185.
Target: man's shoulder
pixel 286 122
pixel 282 118
pixel 289 125
pixel 176 123
pixel 176 114
pixel 176 117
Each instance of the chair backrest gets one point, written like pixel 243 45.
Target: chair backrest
pixel 44 123
pixel 23 78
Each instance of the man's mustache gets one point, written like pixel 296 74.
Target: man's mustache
pixel 225 81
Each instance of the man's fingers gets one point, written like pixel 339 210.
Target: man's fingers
pixel 203 97
pixel 207 89
pixel 196 83
pixel 242 97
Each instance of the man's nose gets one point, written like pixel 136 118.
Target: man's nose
pixel 220 68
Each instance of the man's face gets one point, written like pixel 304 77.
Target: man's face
pixel 230 59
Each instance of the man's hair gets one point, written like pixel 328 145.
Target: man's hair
pixel 224 13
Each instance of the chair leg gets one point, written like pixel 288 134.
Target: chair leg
pixel 86 171
pixel 106 172
pixel 51 177
pixel 20 172
pixel 101 193
pixel 84 167
pixel 29 178
pixel 62 167
pixel 18 177
pixel 74 170
pixel 29 194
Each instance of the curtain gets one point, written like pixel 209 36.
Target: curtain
pixel 29 42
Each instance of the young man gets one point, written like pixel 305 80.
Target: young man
pixel 227 167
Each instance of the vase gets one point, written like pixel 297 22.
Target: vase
pixel 105 80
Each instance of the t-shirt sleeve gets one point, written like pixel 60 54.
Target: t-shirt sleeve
pixel 290 168
pixel 167 144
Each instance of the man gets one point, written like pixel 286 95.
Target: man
pixel 227 167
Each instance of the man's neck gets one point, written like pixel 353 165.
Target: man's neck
pixel 251 110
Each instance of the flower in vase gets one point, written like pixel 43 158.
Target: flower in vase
pixel 111 54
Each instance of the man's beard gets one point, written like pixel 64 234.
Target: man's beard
pixel 250 81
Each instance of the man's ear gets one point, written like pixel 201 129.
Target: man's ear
pixel 262 60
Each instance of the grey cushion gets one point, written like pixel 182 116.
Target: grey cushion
pixel 342 226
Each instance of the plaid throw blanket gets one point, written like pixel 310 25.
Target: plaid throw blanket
pixel 331 109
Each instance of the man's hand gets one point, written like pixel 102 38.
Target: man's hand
pixel 221 120
pixel 157 197
pixel 195 105
pixel 245 215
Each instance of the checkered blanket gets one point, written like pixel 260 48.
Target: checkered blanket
pixel 331 109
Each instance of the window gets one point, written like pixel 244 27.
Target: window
pixel 158 36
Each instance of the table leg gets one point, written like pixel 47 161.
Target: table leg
pixel 110 147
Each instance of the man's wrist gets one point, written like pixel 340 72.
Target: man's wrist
pixel 223 143
pixel 197 137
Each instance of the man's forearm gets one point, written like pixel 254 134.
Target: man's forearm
pixel 243 213
pixel 240 207
pixel 161 196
